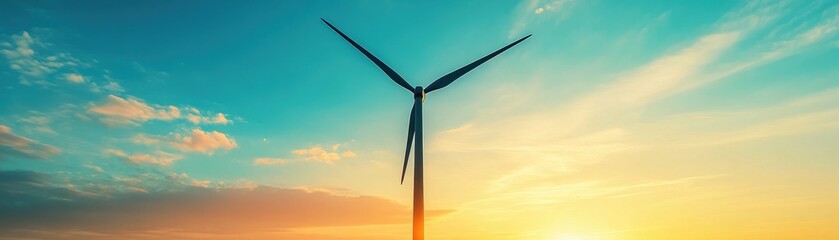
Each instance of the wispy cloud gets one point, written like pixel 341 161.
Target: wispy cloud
pixel 38 64
pixel 704 61
pixel 540 194
pixel 158 157
pixel 534 11
pixel 548 148
pixel 32 66
pixel 269 161
pixel 816 112
pixel 36 122
pixel 14 146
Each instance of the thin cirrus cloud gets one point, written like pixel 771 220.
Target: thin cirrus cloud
pixel 534 11
pixel 158 157
pixel 698 64
pixel 589 132
pixel 117 111
pixel 269 161
pixel 14 146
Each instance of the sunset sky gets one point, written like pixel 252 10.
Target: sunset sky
pixel 617 120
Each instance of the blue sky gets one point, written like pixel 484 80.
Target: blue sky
pixel 119 98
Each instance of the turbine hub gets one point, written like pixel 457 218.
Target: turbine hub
pixel 419 92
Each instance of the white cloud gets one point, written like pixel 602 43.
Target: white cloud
pixel 74 78
pixel 201 183
pixel 203 142
pixel 116 111
pixel 120 111
pixel 40 65
pixel 34 67
pixel 219 118
pixel 319 154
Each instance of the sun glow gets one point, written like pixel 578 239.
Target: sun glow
pixel 568 237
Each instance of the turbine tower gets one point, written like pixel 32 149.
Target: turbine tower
pixel 415 122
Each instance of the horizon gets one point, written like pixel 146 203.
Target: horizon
pixel 254 120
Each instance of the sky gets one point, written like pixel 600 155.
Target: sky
pixel 616 120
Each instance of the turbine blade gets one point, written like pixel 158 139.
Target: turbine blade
pixel 449 78
pixel 390 73
pixel 408 147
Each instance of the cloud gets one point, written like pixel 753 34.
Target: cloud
pixel 348 154
pixel 201 183
pixel 117 111
pixel 552 5
pixel 74 78
pixel 120 111
pixel 709 58
pixel 37 122
pixel 534 11
pixel 655 80
pixel 159 157
pixel 269 161
pixel 203 142
pixel 319 154
pixel 94 168
pixel 537 194
pixel 27 197
pixel 35 67
pixel 543 150
pixel 219 118
pixel 813 113
pixel 144 139
pixel 47 67
pixel 110 86
pixel 14 146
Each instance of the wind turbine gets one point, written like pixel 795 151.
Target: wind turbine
pixel 415 123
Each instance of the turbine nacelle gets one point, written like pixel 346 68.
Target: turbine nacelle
pixel 419 92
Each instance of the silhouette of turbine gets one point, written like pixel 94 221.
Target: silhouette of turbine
pixel 415 123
